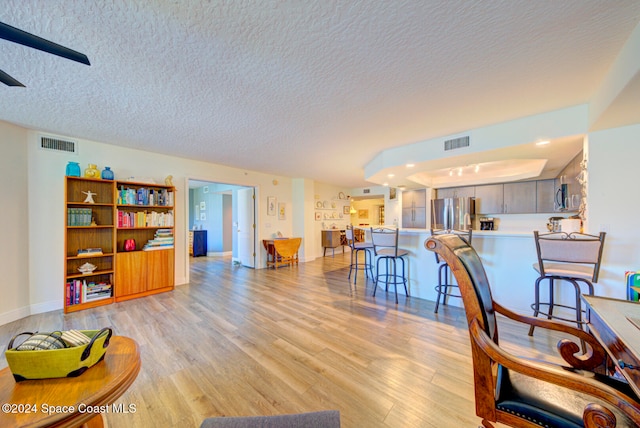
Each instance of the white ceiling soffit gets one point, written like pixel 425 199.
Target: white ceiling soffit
pixel 513 163
pixel 481 173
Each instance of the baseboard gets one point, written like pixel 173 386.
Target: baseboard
pixel 219 253
pixel 14 315
pixel 52 305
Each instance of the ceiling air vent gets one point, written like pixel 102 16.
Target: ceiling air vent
pixel 456 143
pixel 58 145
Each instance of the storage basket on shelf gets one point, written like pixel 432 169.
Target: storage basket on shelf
pixel 48 359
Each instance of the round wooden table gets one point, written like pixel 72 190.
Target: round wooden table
pixel 71 402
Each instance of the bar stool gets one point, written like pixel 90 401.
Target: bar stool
pixel 444 288
pixel 357 247
pixel 569 257
pixel 385 247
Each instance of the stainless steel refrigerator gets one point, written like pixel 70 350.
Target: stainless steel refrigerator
pixel 452 213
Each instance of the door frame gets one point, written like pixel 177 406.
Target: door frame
pixel 187 208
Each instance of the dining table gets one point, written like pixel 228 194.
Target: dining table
pixel 615 323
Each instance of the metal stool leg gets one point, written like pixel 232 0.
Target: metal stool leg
pixel 404 278
pixel 536 305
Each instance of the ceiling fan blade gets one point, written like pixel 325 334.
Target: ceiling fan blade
pixel 8 80
pixel 15 35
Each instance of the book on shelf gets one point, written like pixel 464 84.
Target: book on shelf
pixel 145 196
pixel 89 252
pixel 144 219
pixel 78 291
pixel 79 216
pixel 162 240
pixel 633 285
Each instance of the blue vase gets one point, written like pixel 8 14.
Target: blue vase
pixel 107 174
pixel 73 169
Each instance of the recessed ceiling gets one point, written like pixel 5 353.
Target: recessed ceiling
pixel 312 89
pixel 481 173
pixel 513 163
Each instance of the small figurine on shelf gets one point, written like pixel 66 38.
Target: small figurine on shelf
pixel 92 171
pixel 169 180
pixel 89 198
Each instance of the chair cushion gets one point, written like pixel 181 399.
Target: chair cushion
pixel 320 419
pixel 567 269
pixel 550 405
pixel 391 252
pixel 362 245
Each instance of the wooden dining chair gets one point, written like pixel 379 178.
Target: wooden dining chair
pixel 522 392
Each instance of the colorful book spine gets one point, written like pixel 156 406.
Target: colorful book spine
pixel 633 286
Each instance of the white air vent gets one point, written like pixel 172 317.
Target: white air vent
pixel 456 143
pixel 58 145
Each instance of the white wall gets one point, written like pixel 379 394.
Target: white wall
pixel 37 283
pixel 614 203
pixel 329 195
pixel 14 218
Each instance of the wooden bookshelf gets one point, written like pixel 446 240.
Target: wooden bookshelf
pixel 144 271
pixel 88 225
pixel 148 269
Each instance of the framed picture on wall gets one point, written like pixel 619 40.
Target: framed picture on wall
pixel 346 209
pixel 318 216
pixel 203 206
pixel 282 211
pixel 271 205
pixel 363 213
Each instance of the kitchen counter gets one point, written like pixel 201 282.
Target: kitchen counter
pixel 507 256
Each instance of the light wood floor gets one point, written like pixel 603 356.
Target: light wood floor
pixel 237 341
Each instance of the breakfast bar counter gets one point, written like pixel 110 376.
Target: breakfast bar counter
pixel 507 256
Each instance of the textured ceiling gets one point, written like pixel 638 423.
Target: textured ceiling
pixel 303 88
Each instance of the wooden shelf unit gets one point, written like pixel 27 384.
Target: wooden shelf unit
pixel 141 273
pixel 131 274
pixel 101 235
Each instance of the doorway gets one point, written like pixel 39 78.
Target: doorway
pixel 225 213
pixel 368 211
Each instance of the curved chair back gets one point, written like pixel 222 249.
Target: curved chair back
pixel 349 235
pixel 385 241
pixel 466 236
pixel 471 277
pixel 575 248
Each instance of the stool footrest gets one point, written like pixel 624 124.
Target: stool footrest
pixel 556 317
pixel 439 289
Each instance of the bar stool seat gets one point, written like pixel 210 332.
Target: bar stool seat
pixel 385 248
pixel 446 289
pixel 567 257
pixel 356 248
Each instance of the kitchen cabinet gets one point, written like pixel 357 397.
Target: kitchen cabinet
pixel 569 175
pixel 545 196
pixel 457 192
pixel 490 199
pixel 520 197
pixel 414 209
